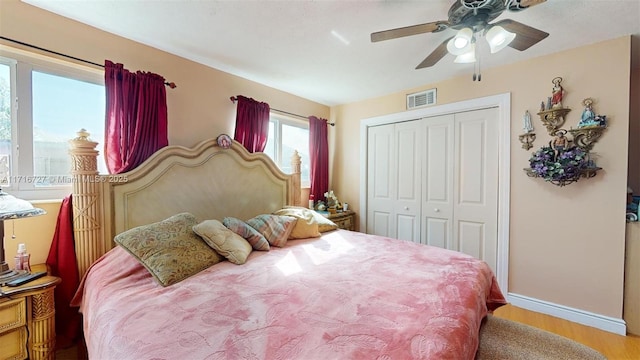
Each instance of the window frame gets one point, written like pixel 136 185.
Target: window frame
pixel 22 64
pixel 278 120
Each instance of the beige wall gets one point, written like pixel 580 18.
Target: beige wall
pixel 199 108
pixel 566 244
pixel 35 232
pixel 634 118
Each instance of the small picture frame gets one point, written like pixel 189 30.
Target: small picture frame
pixel 224 141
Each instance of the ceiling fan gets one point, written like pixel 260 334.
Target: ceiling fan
pixel 472 18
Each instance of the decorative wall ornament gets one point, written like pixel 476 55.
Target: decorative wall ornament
pixel 553 119
pixel 561 166
pixel 529 136
pixel 527 140
pixel 553 114
pixel 567 158
pixel 590 127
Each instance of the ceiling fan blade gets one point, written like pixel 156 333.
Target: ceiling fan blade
pixel 435 55
pixel 526 36
pixel 529 3
pixel 409 30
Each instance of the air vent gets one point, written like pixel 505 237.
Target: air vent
pixel 423 98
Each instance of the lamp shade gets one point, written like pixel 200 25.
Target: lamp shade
pixel 460 43
pixel 14 208
pixel 467 57
pixel 498 38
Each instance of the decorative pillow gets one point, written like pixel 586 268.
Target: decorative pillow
pixel 227 243
pixel 274 228
pixel 257 241
pixel 169 249
pixel 306 226
pixel 324 224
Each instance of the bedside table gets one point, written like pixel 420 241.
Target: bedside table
pixel 27 320
pixel 345 219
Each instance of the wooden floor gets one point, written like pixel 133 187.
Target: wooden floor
pixel 614 347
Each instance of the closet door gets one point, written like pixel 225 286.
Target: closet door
pixel 438 160
pixel 475 212
pixel 407 210
pixel 381 171
pixel 460 183
pixel 393 186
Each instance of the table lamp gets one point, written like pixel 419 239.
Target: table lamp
pixel 12 208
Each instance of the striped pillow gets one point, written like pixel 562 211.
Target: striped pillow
pixel 274 228
pixel 257 241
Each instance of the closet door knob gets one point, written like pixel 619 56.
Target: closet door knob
pixel 436 210
pixel 406 208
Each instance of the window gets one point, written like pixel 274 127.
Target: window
pixel 287 135
pixel 43 103
pixel 5 121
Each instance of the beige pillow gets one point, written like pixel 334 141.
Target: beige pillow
pixel 169 249
pixel 227 243
pixel 324 224
pixel 306 226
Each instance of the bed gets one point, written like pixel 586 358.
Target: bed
pixel 341 295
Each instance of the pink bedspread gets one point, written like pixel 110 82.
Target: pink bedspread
pixel 346 295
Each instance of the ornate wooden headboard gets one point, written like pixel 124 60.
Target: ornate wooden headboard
pixel 208 181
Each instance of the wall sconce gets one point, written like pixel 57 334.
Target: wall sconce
pixel 527 140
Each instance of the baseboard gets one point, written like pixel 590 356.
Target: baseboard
pixel 616 326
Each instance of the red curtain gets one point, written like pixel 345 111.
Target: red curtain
pixel 62 263
pixel 252 124
pixel 319 157
pixel 136 117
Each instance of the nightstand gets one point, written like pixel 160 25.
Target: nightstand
pixel 344 219
pixel 27 320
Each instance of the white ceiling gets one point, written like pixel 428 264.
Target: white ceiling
pixel 289 45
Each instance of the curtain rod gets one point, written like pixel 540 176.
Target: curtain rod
pixel 234 99
pixel 169 84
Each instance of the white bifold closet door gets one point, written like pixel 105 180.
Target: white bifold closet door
pixel 393 189
pixel 435 181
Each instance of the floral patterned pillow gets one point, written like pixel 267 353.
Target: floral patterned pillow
pixel 169 249
pixel 274 228
pixel 257 241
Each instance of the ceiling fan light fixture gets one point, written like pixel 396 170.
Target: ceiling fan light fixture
pixel 467 57
pixel 498 38
pixel 460 43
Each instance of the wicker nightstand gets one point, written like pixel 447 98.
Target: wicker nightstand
pixel 345 219
pixel 27 320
